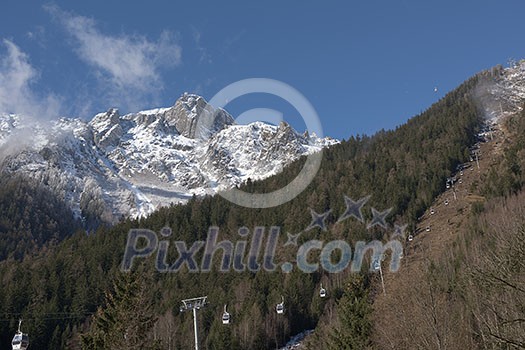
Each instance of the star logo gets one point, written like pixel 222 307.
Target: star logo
pixel 318 220
pixel 399 231
pixel 292 239
pixel 353 208
pixel 378 218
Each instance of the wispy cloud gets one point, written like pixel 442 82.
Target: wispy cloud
pixel 130 63
pixel 204 56
pixel 16 94
pixel 38 35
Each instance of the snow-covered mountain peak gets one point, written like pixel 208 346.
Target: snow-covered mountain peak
pixel 131 164
pixel 112 116
pixel 194 118
pixel 106 128
pixel 190 101
pixel 7 123
pixel 504 92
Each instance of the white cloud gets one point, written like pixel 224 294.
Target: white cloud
pixel 204 56
pixel 16 94
pixel 38 35
pixel 126 61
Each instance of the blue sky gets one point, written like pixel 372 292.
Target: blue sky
pixel 363 65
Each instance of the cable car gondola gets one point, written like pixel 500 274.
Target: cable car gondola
pixel 280 307
pixel 377 264
pixel 20 340
pixel 322 292
pixel 225 316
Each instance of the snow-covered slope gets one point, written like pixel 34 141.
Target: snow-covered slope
pixel 503 92
pixel 129 165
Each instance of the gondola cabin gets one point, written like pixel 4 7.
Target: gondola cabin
pixel 280 307
pixel 322 292
pixel 226 318
pixel 20 340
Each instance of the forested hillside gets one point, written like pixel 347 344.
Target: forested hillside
pixel 30 217
pixel 58 290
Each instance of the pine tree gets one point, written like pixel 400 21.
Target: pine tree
pixel 354 311
pixel 127 318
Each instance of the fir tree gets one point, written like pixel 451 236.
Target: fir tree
pixel 126 319
pixel 354 312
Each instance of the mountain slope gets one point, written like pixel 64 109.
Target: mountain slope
pixel 460 283
pixel 402 169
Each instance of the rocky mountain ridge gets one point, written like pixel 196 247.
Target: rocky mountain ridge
pixel 129 165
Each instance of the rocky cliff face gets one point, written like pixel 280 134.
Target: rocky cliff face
pixel 194 118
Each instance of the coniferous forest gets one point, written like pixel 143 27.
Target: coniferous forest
pixel 68 287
